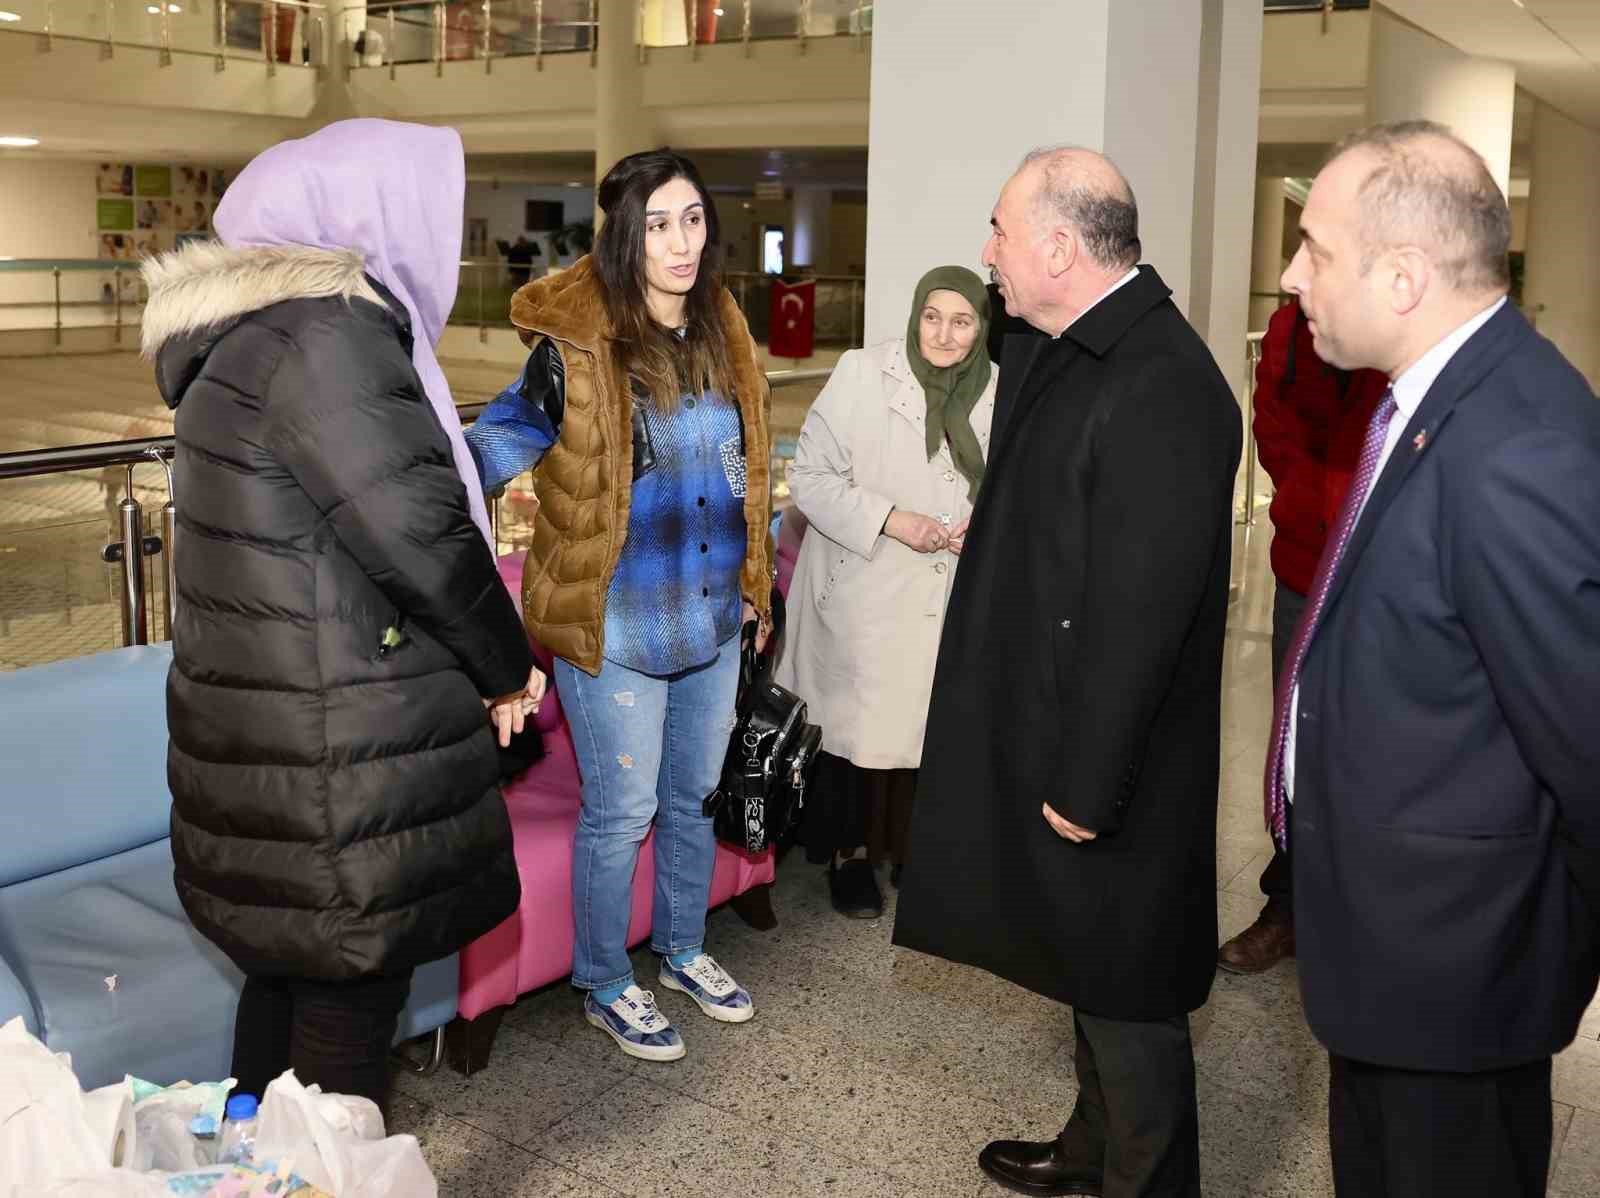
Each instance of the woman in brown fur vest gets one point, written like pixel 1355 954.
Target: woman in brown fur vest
pixel 643 414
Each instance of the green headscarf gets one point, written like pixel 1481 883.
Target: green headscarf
pixel 953 391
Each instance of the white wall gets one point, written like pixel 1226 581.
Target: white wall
pixel 1415 75
pixel 1167 88
pixel 933 180
pixel 1561 293
pixel 1233 181
pixel 47 208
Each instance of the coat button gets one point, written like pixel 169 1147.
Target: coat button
pixel 701 502
pixel 949 476
pixel 939 568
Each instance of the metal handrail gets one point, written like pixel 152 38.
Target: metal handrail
pixel 1252 357
pixel 56 268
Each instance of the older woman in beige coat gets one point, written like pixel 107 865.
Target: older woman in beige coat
pixel 886 470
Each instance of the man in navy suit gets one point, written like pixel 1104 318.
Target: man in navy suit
pixel 1436 762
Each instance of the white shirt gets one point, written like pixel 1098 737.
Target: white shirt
pixel 1409 390
pixel 1122 282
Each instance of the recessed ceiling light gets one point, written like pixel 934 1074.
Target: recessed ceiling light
pixel 717 12
pixel 9 16
pixel 574 184
pixel 19 143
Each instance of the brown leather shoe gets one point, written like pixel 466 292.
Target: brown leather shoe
pixel 1260 946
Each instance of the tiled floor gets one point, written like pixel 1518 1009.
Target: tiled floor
pixel 869 1072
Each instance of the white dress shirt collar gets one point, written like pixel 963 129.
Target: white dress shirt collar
pixel 1122 282
pixel 1412 386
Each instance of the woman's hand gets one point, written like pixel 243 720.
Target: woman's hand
pixel 916 531
pixel 958 537
pixel 509 713
pixel 763 625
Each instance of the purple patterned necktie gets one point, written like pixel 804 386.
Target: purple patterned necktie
pixel 1349 510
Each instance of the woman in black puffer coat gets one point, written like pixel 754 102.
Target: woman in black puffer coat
pixel 341 624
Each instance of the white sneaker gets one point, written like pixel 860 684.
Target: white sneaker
pixel 633 1021
pixel 717 994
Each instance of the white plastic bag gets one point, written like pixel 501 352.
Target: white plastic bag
pixel 308 1131
pixel 114 1183
pixel 45 1135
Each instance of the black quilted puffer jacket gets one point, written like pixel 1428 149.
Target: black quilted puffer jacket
pixel 336 812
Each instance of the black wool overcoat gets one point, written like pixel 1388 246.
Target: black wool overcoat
pixel 1081 666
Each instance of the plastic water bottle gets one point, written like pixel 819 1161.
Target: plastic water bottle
pixel 238 1142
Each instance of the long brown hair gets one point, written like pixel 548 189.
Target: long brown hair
pixel 665 365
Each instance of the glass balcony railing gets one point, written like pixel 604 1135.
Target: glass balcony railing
pixel 62 294
pixel 710 22
pixel 275 32
pixel 72 293
pixel 394 34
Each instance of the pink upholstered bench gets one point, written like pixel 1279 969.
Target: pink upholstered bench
pixel 534 947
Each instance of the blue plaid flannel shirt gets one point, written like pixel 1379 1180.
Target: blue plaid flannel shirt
pixel 674 599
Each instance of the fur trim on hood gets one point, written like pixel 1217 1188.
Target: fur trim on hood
pixel 206 284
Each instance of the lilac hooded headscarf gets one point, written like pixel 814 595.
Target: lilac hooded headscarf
pixel 395 193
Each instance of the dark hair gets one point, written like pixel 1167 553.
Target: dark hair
pixel 1101 209
pixel 667 366
pixel 1445 202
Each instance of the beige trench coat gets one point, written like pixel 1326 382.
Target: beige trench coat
pixel 865 611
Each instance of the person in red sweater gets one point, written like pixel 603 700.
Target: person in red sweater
pixel 1309 423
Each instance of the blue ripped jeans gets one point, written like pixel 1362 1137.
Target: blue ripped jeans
pixel 650 750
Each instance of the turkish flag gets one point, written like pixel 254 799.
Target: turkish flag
pixel 792 332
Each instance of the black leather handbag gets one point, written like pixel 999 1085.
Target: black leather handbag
pixel 772 754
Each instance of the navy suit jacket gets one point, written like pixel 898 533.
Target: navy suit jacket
pixel 1446 818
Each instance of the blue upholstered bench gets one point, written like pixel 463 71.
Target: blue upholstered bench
pixel 86 889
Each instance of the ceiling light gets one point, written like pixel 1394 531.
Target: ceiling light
pixel 717 12
pixel 9 16
pixel 18 143
pixel 574 184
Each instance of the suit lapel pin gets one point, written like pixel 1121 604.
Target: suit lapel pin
pixel 1420 440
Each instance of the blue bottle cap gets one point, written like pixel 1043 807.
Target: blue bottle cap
pixel 202 1125
pixel 241 1107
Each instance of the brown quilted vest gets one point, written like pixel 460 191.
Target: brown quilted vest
pixel 585 481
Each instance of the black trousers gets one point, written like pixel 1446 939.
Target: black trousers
pixel 1277 880
pixel 336 1034
pixel 1137 1119
pixel 1401 1134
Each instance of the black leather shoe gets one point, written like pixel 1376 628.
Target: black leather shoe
pixel 1029 1167
pixel 853 887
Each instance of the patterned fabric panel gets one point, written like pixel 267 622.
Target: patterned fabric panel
pixel 675 595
